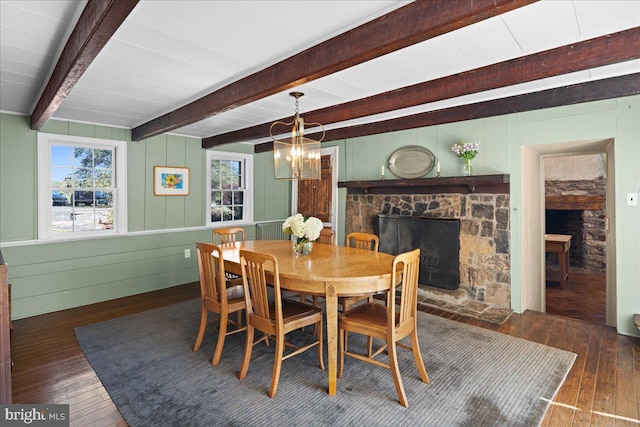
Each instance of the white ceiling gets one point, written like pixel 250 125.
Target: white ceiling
pixel 168 53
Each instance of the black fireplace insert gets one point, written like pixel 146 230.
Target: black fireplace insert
pixel 438 240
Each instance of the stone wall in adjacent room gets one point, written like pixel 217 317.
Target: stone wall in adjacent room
pixel 484 234
pixel 588 246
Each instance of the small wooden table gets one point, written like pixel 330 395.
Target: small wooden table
pixel 329 270
pixel 560 244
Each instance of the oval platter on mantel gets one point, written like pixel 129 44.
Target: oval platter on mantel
pixel 412 161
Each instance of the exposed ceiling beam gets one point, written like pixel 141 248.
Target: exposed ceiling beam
pixel 597 52
pixel 410 24
pixel 98 22
pixel 597 90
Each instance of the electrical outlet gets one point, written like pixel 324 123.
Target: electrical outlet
pixel 187 253
pixel 632 199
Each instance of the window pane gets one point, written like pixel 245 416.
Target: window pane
pixel 216 208
pixel 61 177
pixel 104 198
pixel 103 158
pixel 61 156
pixel 215 167
pixel 58 199
pixel 227 198
pixel 216 198
pixel 62 218
pixel 238 196
pixel 237 213
pixel 83 219
pixel 215 182
pixel 83 178
pixel 82 157
pixel 105 218
pixel 103 178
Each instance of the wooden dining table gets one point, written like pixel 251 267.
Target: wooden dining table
pixel 329 271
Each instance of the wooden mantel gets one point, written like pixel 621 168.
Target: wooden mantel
pixel 451 184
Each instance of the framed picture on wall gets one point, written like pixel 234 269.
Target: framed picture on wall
pixel 170 181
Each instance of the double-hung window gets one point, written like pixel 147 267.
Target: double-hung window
pixel 81 186
pixel 230 188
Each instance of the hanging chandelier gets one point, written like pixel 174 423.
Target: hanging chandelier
pixel 296 157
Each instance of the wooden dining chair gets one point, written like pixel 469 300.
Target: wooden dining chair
pixel 363 241
pixel 276 318
pixel 327 236
pixel 228 235
pixel 366 241
pixel 389 323
pixel 219 295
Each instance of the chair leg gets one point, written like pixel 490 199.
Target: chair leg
pixel 415 347
pixel 222 334
pixel 320 353
pixel 248 347
pixel 277 365
pixel 341 350
pixel 395 371
pixel 203 326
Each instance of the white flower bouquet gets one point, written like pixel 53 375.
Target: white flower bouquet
pixel 304 229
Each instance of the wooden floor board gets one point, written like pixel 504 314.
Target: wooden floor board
pixel 626 404
pixel 564 339
pixel 51 368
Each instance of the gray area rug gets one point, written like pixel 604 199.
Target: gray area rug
pixel 478 377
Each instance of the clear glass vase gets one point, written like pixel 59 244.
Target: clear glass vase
pixel 466 167
pixel 302 247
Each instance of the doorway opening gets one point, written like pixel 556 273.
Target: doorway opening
pixel 575 201
pixel 534 258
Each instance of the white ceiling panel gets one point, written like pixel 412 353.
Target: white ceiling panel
pixel 543 24
pixel 614 70
pixel 596 18
pixel 169 53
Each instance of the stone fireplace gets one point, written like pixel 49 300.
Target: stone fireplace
pixel 484 242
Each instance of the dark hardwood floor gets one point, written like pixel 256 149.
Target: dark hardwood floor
pixel 602 388
pixel 583 297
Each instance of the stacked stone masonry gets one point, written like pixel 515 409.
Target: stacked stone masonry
pixel 484 234
pixel 588 246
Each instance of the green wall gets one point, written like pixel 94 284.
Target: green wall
pixel 53 276
pixel 501 139
pixel 50 276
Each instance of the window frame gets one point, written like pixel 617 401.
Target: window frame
pixel 45 208
pixel 247 181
